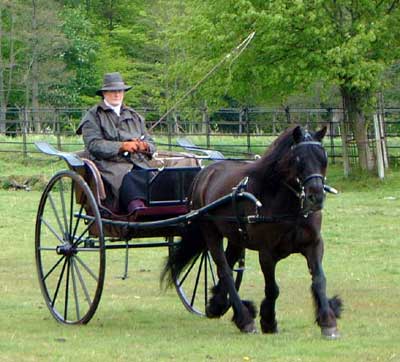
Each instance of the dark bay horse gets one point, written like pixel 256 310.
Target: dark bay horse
pixel 289 181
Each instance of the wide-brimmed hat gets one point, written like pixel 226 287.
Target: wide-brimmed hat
pixel 112 81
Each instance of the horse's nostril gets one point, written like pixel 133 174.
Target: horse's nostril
pixel 315 198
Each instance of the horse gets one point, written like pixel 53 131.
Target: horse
pixel 288 180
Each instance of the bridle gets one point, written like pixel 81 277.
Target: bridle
pixel 300 192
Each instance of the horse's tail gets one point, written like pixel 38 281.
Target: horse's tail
pixel 182 253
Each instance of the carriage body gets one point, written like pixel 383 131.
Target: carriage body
pixel 76 224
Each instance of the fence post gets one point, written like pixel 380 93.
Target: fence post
pixel 58 128
pixel 274 123
pixel 206 123
pixel 169 131
pixel 287 112
pixel 247 120
pixel 240 122
pixel 379 154
pixel 24 131
pixel 343 133
pixel 331 134
pixel 382 129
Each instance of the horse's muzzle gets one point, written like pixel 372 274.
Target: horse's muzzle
pixel 314 201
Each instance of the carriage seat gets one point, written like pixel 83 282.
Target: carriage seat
pixel 162 160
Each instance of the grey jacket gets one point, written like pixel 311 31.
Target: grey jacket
pixel 103 133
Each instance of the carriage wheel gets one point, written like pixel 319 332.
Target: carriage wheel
pixel 70 251
pixel 194 285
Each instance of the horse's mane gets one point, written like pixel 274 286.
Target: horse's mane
pixel 265 168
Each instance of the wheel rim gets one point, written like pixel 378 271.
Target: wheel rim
pixel 70 253
pixel 195 283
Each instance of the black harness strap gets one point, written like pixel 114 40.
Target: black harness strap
pixel 240 220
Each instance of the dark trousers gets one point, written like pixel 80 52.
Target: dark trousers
pixel 134 186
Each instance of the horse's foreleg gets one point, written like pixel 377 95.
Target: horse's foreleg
pixel 326 310
pixel 219 303
pixel 243 312
pixel 267 311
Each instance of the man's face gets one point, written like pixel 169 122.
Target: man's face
pixel 115 98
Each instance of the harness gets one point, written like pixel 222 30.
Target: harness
pixel 242 220
pixel 300 193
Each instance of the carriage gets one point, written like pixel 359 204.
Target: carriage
pixel 76 225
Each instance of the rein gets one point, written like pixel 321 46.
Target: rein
pixel 300 194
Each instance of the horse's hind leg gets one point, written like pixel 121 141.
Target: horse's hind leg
pixel 327 310
pixel 267 310
pixel 243 313
pixel 219 302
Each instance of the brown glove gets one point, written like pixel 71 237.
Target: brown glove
pixel 130 146
pixel 143 146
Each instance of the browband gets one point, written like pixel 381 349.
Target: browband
pixel 304 143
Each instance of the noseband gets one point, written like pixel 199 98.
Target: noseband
pixel 302 183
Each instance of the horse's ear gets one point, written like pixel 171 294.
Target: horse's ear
pixel 298 134
pixel 319 135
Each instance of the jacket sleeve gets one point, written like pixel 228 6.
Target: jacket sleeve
pixel 94 140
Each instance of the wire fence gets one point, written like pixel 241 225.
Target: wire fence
pixel 233 131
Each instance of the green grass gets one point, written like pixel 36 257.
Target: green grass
pixel 136 321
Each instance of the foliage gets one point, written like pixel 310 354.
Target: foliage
pixel 313 52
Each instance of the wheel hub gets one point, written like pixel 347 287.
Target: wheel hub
pixel 66 249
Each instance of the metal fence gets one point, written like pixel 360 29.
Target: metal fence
pixel 233 130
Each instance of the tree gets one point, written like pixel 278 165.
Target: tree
pixel 345 43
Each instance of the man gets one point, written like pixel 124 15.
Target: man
pixel 118 143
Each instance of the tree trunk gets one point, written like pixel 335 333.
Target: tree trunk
pixel 3 105
pixel 353 107
pixel 35 71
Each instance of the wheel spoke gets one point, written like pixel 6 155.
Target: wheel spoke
pixel 75 289
pixel 83 285
pixel 58 283
pixel 93 275
pixel 197 280
pixel 188 271
pixel 63 204
pixel 53 268
pixel 55 211
pixel 71 208
pixel 205 278
pixel 77 224
pixel 79 239
pixel 53 231
pixel 67 290
pixel 210 263
pixel 87 249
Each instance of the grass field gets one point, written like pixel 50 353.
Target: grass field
pixel 136 321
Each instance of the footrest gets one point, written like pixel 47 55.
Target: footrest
pixel 158 212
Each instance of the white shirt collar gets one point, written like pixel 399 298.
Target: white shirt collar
pixel 116 109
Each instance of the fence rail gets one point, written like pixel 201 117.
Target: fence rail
pixel 229 130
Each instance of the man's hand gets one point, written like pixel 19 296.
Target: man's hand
pixel 129 146
pixel 143 146
pixel 135 145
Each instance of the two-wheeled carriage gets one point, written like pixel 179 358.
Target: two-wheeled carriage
pixel 75 226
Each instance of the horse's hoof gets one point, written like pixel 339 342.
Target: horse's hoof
pixel 249 328
pixel 330 333
pixel 269 328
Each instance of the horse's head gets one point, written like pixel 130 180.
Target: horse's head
pixel 305 166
